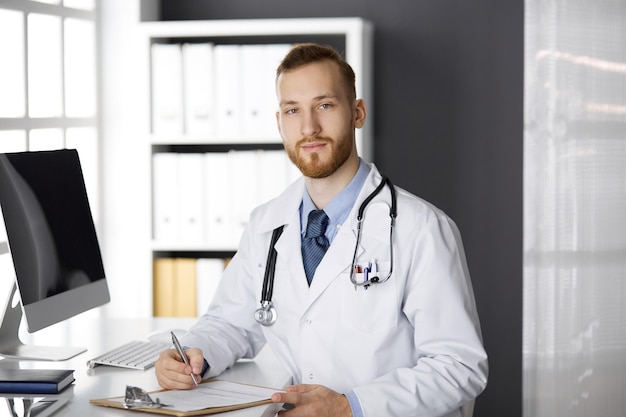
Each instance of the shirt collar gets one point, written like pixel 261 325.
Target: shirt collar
pixel 339 207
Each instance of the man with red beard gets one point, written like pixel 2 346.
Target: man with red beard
pixel 383 322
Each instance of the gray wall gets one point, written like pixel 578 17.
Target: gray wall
pixel 448 127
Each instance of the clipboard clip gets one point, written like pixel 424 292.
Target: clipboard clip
pixel 138 398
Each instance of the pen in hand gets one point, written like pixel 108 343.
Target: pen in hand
pixel 180 351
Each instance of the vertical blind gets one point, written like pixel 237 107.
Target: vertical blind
pixel 574 345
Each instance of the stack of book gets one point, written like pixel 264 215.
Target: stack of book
pixel 35 381
pixel 34 392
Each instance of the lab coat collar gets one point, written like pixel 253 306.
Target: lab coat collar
pixel 338 259
pixel 281 211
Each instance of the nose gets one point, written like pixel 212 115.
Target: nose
pixel 310 125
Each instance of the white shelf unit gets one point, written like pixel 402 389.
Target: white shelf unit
pixel 353 37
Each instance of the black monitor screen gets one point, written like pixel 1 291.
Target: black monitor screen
pixel 50 230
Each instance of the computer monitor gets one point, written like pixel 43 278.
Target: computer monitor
pixel 53 244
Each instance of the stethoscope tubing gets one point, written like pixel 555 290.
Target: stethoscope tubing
pixel 393 213
pixel 266 314
pixel 268 278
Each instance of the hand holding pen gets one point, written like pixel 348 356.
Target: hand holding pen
pixel 182 354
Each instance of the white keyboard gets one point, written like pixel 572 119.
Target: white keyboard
pixel 133 355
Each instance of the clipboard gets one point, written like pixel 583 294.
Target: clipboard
pixel 118 402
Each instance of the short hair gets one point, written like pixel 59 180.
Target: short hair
pixel 307 53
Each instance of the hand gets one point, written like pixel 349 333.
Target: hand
pixel 313 401
pixel 171 371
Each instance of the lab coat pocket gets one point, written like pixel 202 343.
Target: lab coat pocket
pixel 370 310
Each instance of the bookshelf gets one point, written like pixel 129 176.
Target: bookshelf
pixel 211 130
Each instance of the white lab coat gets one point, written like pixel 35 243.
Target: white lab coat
pixel 408 347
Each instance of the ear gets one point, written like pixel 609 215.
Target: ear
pixel 360 113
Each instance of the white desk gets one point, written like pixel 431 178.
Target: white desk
pixel 99 336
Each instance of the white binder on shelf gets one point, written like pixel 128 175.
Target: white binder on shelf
pixel 167 89
pixel 272 174
pixel 253 77
pixel 227 91
pixel 190 201
pixel 243 192
pixel 217 186
pixel 164 196
pixel 273 54
pixel 209 274
pixel 198 88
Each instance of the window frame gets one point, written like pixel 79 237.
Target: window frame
pixel 63 122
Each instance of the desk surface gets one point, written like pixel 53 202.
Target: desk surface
pixel 101 335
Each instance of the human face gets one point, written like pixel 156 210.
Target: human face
pixel 317 117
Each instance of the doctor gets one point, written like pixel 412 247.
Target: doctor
pixel 407 345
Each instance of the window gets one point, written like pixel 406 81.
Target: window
pixel 48 80
pixel 574 201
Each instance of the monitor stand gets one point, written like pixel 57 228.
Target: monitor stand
pixel 12 347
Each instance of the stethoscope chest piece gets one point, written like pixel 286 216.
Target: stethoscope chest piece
pixel 266 314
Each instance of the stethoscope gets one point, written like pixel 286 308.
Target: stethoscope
pixel 266 314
